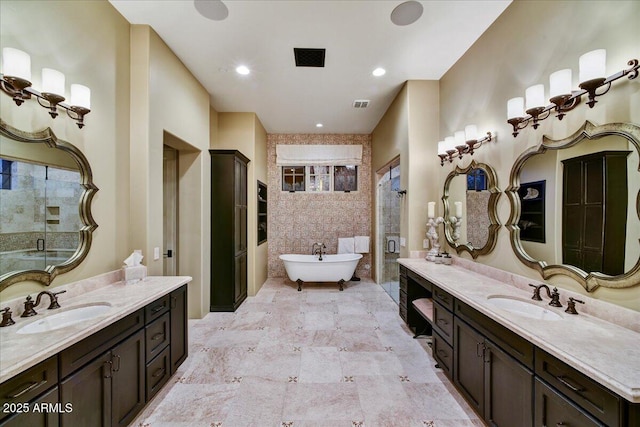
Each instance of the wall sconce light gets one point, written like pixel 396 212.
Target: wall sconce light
pixel 16 82
pixel 562 97
pixel 463 142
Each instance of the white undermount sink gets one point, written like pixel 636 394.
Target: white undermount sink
pixel 67 317
pixel 522 307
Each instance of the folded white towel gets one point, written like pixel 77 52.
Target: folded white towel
pixel 393 245
pixel 346 245
pixel 362 244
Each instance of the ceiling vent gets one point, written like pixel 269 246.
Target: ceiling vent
pixel 309 57
pixel 361 103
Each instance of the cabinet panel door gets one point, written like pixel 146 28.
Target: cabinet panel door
pixel 179 328
pixel 508 385
pixel 38 418
pixel 89 389
pixel 468 369
pixel 128 385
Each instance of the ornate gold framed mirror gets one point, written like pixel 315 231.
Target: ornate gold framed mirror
pixel 472 225
pixel 575 206
pixel 45 203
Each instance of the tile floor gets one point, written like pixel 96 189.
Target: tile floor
pixel 316 358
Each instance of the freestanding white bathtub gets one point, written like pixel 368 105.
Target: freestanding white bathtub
pixel 308 268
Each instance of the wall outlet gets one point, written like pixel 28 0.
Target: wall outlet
pixel 403 242
pixel 425 244
pixel 156 253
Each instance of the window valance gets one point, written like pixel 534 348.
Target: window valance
pixel 318 155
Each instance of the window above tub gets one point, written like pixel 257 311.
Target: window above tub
pixel 320 179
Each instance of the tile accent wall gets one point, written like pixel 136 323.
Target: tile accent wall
pixel 297 220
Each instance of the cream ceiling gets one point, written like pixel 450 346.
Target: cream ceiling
pixel 358 36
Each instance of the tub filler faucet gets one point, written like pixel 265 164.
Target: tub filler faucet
pixel 318 249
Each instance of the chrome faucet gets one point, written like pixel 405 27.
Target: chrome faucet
pixel 29 305
pixel 318 249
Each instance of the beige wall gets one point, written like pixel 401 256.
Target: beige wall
pixel 244 132
pixel 529 41
pixel 89 43
pixel 410 128
pixel 166 98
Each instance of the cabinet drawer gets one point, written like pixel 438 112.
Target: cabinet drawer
pixel 443 353
pixel 33 417
pixel 83 352
pixel 156 308
pixel 443 298
pixel 403 271
pixel 403 313
pixel 510 342
pixel 594 398
pixel 443 322
pixel 403 283
pixel 419 280
pixel 553 409
pixel 158 372
pixel 29 384
pixel 157 336
pixel 403 298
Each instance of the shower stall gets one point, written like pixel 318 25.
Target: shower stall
pixel 388 238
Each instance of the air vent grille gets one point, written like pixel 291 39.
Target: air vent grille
pixel 361 103
pixel 309 57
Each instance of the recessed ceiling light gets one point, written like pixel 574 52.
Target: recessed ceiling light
pixel 212 9
pixel 406 13
pixel 243 69
pixel 379 72
pixel 319 125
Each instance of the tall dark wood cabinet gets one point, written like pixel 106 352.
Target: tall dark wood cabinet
pixel 594 211
pixel 228 229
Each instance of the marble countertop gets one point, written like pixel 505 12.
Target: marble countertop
pixel 606 352
pixel 19 352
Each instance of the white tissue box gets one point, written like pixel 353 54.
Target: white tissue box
pixel 134 274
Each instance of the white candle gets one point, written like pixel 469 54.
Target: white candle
pixel 431 209
pixel 458 209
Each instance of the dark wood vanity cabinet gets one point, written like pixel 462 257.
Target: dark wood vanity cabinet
pixel 179 328
pixel 492 381
pixel 20 395
pixel 108 377
pixel 110 390
pixel 228 229
pixel 594 211
pixel 506 379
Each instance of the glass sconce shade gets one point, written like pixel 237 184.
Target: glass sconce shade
pixel 52 81
pixel 80 96
pixel 560 83
pixel 442 147
pixel 515 107
pixel 450 143
pixel 535 96
pixel 471 132
pixel 459 137
pixel 16 63
pixel 593 65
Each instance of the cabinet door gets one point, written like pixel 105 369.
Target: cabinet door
pixel 552 409
pixel 508 386
pixel 35 415
pixel 468 370
pixel 240 279
pixel 89 389
pixel 128 385
pixel 179 328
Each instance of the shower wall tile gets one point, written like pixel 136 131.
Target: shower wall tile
pixel 297 220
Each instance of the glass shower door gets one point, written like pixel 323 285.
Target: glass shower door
pixel 389 231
